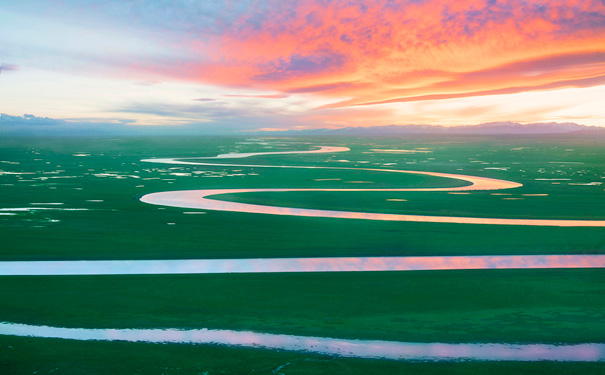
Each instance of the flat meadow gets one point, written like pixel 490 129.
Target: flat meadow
pixel 78 199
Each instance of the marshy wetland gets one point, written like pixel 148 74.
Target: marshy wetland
pixel 88 200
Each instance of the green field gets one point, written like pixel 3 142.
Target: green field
pixel 104 177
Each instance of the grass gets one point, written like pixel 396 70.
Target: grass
pixel 434 306
pixel 420 306
pixel 122 358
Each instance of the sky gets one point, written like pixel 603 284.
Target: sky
pixel 233 66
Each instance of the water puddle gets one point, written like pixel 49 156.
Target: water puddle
pixel 589 352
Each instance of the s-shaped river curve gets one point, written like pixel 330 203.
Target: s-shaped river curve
pixel 200 199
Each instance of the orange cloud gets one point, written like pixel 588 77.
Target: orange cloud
pixel 587 82
pixel 378 52
pixel 274 96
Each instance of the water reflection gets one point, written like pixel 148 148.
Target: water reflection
pixel 199 199
pixel 589 352
pixel 240 155
pixel 271 265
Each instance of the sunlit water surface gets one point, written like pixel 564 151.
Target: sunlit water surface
pixel 347 348
pixel 199 199
pixel 329 346
pixel 267 265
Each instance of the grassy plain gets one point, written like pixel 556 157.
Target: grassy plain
pixel 525 306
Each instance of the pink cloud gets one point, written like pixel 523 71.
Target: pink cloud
pixel 8 67
pixel 587 82
pixel 376 52
pixel 275 96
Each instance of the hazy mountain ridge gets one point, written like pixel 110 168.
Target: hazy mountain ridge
pixel 491 128
pixel 30 125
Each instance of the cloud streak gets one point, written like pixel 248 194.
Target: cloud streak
pixel 307 54
pixel 380 52
pixel 587 82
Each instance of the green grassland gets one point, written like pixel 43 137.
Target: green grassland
pixel 524 306
pixel 489 305
pixel 50 356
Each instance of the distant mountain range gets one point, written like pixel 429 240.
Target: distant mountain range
pixel 30 125
pixel 491 128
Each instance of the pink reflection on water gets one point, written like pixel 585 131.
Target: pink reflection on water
pixel 268 265
pixel 588 352
pixel 198 199
pixel 321 150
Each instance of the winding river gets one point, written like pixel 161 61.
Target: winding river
pixel 200 199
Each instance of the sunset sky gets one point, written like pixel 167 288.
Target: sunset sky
pixel 227 66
